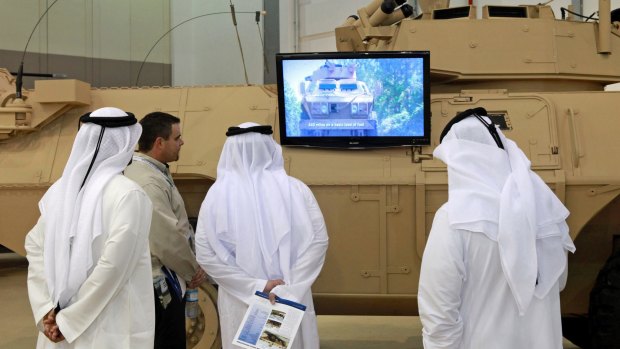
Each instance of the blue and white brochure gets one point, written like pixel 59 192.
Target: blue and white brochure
pixel 269 326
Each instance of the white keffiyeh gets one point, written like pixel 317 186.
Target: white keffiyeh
pixel 494 192
pixel 260 225
pixel 73 215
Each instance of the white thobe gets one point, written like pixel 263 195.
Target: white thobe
pixel 465 301
pixel 236 287
pixel 114 307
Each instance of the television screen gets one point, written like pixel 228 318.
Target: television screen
pixel 354 99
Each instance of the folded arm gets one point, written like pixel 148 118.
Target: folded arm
pixel 126 243
pixel 309 264
pixel 230 277
pixel 38 293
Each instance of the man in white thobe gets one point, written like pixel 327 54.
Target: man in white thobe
pixel 260 230
pixel 89 273
pixel 496 257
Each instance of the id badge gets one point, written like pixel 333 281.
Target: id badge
pixel 161 290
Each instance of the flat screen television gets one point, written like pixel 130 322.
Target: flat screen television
pixel 354 99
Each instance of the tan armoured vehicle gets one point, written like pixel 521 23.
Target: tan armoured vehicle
pixel 326 90
pixel 544 77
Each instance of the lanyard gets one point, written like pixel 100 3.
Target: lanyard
pixel 173 280
pixel 143 160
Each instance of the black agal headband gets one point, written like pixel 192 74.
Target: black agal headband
pixel 478 113
pixel 105 121
pixel 262 129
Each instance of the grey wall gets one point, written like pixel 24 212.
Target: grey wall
pixel 205 48
pixel 271 36
pixel 99 72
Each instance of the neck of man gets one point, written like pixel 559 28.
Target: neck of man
pixel 155 155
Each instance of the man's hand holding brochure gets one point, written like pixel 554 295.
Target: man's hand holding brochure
pixel 267 325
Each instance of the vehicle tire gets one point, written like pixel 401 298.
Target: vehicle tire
pixel 203 332
pixel 604 312
pixel 372 132
pixel 304 114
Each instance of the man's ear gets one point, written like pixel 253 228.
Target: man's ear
pixel 159 141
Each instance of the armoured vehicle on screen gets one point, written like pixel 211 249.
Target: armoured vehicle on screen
pixel 549 80
pixel 332 97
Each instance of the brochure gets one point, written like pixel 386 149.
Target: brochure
pixel 267 326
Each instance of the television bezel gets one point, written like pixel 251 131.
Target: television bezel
pixel 364 141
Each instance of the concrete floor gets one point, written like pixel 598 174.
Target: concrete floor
pixel 17 329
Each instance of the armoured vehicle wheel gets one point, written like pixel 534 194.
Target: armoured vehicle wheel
pixel 604 312
pixel 204 331
pixel 373 131
pixel 304 114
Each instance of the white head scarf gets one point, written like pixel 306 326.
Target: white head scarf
pixel 72 215
pixel 261 223
pixel 494 192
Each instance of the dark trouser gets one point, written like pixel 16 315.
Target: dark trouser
pixel 170 323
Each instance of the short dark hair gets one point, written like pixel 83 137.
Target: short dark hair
pixel 155 124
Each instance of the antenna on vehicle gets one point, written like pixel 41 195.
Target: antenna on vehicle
pixel 20 72
pixel 176 26
pixel 234 19
pixel 262 42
